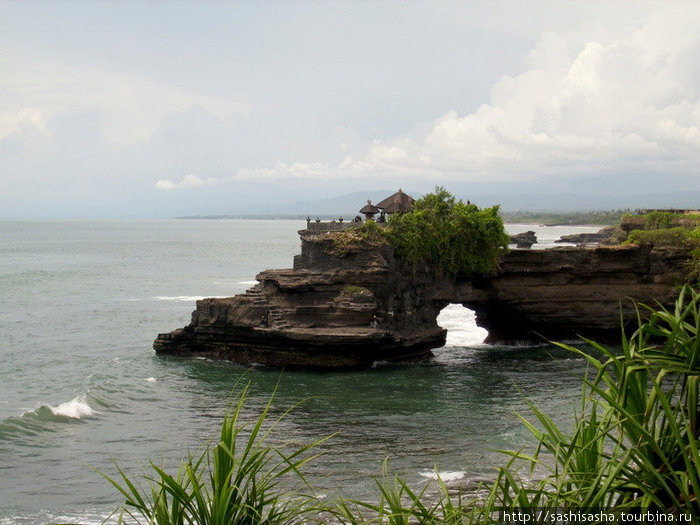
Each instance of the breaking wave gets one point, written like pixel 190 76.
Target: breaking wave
pixel 47 417
pixel 76 408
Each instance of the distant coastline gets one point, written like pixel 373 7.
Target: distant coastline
pixel 270 217
pixel 602 218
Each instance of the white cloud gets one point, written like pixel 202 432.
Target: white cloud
pixel 602 91
pixel 619 101
pixel 40 86
pixel 188 181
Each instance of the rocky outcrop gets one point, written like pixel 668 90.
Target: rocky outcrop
pixel 341 306
pixel 349 304
pixel 524 239
pixel 610 235
pixel 567 292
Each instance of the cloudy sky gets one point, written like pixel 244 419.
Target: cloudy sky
pixel 155 108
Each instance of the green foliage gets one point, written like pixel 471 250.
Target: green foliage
pixel 656 220
pixel 368 231
pixel 400 505
pixel 660 220
pixel 664 237
pixel 450 237
pixel 671 229
pixel 601 217
pixel 662 228
pixel 235 483
pixel 643 411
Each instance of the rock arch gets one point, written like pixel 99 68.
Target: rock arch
pixel 351 305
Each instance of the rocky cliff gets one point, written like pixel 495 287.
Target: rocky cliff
pixel 348 304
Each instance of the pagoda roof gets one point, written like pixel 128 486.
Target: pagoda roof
pixel 369 208
pixel 398 202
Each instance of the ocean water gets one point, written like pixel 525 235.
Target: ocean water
pixel 80 386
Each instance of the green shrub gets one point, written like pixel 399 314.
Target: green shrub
pixel 656 220
pixel 235 483
pixel 665 237
pixel 632 447
pixel 450 237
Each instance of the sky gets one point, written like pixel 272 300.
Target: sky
pixel 162 108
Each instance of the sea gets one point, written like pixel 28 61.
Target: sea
pixel 82 391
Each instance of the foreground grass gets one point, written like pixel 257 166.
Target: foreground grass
pixel 633 446
pixel 235 482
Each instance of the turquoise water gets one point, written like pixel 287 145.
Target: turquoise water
pixel 80 384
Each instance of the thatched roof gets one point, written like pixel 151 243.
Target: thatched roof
pixel 369 208
pixel 399 201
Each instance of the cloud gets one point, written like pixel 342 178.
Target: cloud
pixel 583 106
pixel 607 95
pixel 40 85
pixel 188 181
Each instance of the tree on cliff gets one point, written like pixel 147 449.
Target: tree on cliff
pixel 450 236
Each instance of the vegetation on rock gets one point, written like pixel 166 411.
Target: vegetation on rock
pixel 355 239
pixel 451 237
pixel 601 217
pixel 679 236
pixel 660 228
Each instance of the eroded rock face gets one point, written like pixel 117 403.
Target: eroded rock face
pixel 351 305
pixel 564 293
pixel 344 306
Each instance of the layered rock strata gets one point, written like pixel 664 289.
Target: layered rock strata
pixel 349 304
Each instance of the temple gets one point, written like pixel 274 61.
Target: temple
pixel 398 202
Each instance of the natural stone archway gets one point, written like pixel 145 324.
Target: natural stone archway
pixel 350 305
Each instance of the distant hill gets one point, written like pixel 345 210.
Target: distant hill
pixel 346 206
pixel 349 204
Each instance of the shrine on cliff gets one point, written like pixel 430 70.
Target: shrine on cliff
pixel 399 202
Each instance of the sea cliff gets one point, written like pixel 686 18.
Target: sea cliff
pixel 352 304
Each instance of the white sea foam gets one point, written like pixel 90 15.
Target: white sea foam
pixel 44 516
pixel 188 298
pixel 178 298
pixel 248 282
pixel 460 323
pixel 151 380
pixel 446 476
pixel 76 408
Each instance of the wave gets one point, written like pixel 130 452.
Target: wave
pixel 188 298
pixel 47 417
pixel 87 517
pixel 76 408
pixel 178 298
